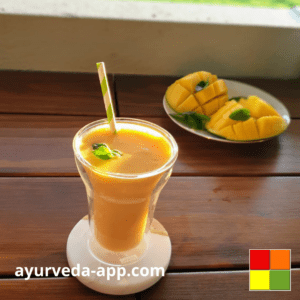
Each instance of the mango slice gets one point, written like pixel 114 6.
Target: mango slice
pixel 213 90
pixel 199 110
pixel 204 75
pixel 264 121
pixel 207 101
pixel 270 126
pixel 239 131
pixel 206 94
pixel 170 90
pixel 210 107
pixel 190 81
pixel 216 117
pixel 250 129
pixel 178 95
pixel 220 87
pixel 189 104
pixel 228 133
pixel 224 120
pixel 222 99
pixel 213 78
pixel 258 107
pixel 258 126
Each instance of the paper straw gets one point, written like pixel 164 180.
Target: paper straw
pixel 107 97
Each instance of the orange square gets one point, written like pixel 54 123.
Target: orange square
pixel 280 260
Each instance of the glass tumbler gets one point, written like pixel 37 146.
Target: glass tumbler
pixel 121 206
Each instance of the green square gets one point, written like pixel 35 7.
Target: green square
pixel 280 280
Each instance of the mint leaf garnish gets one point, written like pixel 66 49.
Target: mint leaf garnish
pixel 242 114
pixel 102 151
pixel 202 85
pixel 237 98
pixel 96 146
pixel 191 119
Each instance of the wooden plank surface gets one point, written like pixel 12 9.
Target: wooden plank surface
pixel 51 288
pixel 215 285
pixel 52 93
pixel 142 95
pixel 42 146
pixel 39 145
pixel 212 221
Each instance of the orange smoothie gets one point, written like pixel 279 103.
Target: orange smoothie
pixel 121 202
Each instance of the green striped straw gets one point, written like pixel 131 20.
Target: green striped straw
pixel 107 97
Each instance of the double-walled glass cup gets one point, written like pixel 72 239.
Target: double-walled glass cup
pixel 121 206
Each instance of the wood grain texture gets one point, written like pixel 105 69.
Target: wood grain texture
pixel 142 95
pixel 52 93
pixel 39 145
pixel 51 288
pixel 42 146
pixel 212 221
pixel 215 285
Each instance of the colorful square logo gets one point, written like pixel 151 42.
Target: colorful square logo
pixel 270 270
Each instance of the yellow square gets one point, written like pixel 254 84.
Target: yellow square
pixel 259 280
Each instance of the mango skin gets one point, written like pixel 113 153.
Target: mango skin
pixel 207 101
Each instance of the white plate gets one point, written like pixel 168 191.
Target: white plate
pixel 236 89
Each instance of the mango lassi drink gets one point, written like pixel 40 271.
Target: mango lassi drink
pixel 123 190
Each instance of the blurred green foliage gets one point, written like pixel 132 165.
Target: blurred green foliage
pixel 249 3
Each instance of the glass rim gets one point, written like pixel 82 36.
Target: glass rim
pixel 156 127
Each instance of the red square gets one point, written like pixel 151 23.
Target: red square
pixel 259 259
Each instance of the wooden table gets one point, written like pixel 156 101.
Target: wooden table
pixel 221 200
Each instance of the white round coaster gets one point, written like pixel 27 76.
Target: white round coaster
pixel 114 279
